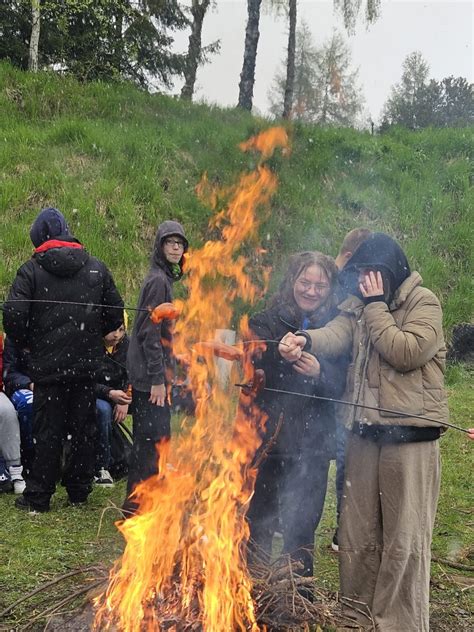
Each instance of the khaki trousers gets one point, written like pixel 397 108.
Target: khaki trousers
pixel 388 512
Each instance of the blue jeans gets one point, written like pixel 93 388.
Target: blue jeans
pixel 104 426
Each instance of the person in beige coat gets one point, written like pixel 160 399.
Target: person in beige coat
pixel 394 327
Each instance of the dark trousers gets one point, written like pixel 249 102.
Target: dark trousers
pixel 341 440
pixel 151 423
pixel 289 497
pixel 62 411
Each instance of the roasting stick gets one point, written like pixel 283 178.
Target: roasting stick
pixel 396 413
pixel 38 300
pixel 157 314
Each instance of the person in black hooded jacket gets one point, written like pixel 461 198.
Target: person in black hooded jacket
pixel 291 483
pixel 149 358
pixel 65 345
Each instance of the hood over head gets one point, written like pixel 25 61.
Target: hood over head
pixel 49 224
pixel 60 259
pixel 382 253
pixel 167 229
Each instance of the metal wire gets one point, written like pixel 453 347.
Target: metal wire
pixel 396 413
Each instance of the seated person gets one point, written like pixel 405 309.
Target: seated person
pixel 112 398
pixel 19 388
pixel 11 473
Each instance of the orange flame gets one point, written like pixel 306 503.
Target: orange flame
pixel 183 561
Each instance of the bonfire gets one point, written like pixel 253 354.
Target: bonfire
pixel 184 564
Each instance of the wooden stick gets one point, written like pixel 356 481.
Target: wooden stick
pixel 54 581
pixel 460 567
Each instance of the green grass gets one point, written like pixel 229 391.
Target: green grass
pixel 117 161
pixel 35 549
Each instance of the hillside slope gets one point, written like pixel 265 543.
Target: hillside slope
pixel 118 161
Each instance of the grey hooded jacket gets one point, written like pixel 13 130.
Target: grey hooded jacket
pixel 149 352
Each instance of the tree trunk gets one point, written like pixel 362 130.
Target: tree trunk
pixel 118 49
pixel 198 11
pixel 290 63
pixel 247 76
pixel 35 35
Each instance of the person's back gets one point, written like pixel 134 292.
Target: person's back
pixel 42 314
pixel 65 340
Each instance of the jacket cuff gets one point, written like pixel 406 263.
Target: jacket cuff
pixel 374 299
pixel 306 335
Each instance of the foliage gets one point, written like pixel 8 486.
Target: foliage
pixel 97 39
pixel 117 161
pixel 325 88
pixel 349 9
pixel 417 103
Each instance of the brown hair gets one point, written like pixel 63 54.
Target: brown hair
pixel 297 264
pixel 354 239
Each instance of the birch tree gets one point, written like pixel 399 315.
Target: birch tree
pixel 35 35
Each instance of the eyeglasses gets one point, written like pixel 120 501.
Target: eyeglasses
pixel 174 242
pixel 319 287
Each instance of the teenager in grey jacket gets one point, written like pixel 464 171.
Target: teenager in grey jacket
pixel 149 355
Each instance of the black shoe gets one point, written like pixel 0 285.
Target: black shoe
pixel 6 484
pixel 335 543
pixel 22 503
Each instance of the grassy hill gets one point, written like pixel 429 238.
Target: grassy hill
pixel 118 161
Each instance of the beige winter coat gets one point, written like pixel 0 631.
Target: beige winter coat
pixel 398 355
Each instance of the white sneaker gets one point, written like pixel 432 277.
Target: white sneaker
pixel 104 479
pixel 17 478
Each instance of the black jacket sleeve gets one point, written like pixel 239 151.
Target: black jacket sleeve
pixel 16 315
pixel 111 318
pixel 332 378
pixel 13 377
pixel 102 391
pixel 263 328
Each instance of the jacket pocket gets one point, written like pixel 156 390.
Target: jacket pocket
pixel 401 392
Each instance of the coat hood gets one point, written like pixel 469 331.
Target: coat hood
pixel 49 224
pixel 381 252
pixel 61 260
pixel 167 229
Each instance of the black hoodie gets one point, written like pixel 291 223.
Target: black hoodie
pixel 149 351
pixel 379 252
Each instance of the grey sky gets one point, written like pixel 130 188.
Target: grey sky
pixel 441 31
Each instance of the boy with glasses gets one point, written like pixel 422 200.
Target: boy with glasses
pixel 149 354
